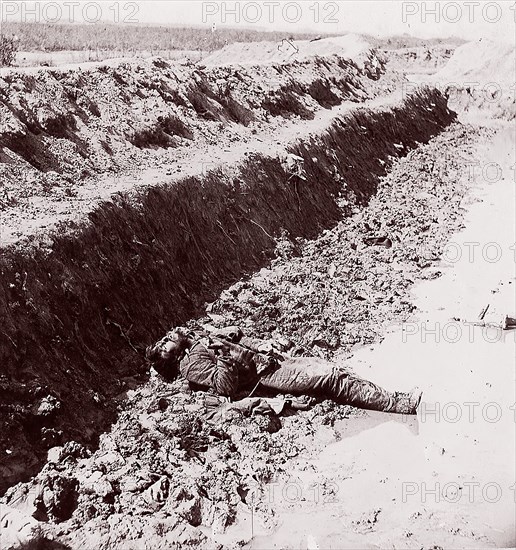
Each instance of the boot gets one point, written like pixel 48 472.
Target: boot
pixel 407 403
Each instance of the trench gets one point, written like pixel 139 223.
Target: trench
pixel 81 309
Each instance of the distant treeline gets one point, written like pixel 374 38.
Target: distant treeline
pixel 58 37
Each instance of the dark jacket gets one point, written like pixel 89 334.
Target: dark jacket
pixel 225 370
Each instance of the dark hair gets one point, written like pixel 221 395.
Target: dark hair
pixel 152 353
pixel 169 370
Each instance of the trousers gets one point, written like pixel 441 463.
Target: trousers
pixel 319 378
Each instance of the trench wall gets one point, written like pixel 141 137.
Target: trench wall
pixel 78 310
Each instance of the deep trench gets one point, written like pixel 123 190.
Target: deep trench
pixel 80 313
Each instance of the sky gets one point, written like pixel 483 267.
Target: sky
pixel 468 19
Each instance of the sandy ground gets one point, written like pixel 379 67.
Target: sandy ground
pixel 349 46
pixel 466 425
pixel 445 479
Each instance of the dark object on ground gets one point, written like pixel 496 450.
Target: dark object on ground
pixel 509 323
pixel 378 241
pixel 8 49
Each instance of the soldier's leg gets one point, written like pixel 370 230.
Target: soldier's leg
pixel 350 389
pixel 319 378
pixel 299 375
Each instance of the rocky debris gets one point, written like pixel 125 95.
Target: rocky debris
pixel 50 498
pixel 419 59
pixel 164 475
pixel 168 470
pixel 47 407
pixel 344 288
pixel 61 129
pixel 293 166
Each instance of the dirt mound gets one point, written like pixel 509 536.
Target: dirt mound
pixel 481 75
pixel 481 62
pixel 80 308
pixel 61 128
pixel 350 46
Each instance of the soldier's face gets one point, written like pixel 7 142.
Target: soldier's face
pixel 166 354
pixel 170 350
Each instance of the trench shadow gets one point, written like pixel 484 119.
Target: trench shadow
pixel 42 543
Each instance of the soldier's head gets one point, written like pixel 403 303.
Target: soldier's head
pixel 166 354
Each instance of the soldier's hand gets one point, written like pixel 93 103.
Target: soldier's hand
pixel 219 346
pixel 265 364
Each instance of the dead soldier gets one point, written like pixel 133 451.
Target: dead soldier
pixel 226 363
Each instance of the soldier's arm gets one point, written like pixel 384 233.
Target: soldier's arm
pixel 202 367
